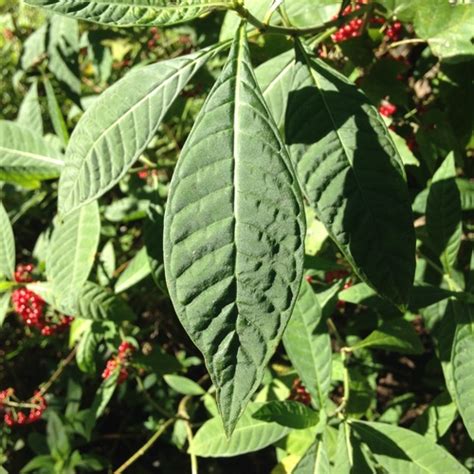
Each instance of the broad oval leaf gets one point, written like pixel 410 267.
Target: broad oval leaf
pixel 401 450
pixel 352 175
pixel 132 12
pixel 7 246
pixel 444 215
pixel 234 232
pixel 308 345
pixel 288 413
pixel 462 361
pixel 314 461
pixel 26 155
pixel 72 251
pixel 117 127
pixel 248 436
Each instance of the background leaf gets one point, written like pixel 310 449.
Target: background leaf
pixel 352 175
pixel 401 450
pixel 183 385
pixel 314 461
pixel 72 251
pixel 132 12
pixel 137 269
pixel 25 155
pixel 29 114
pixel 116 128
pixel 308 345
pixel 249 435
pixel 288 413
pixel 234 233
pixel 7 246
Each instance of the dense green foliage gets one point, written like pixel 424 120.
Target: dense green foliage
pixel 236 229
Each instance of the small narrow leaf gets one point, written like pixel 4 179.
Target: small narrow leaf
pixel 234 232
pixel 288 413
pixel 344 451
pixel 55 113
pixel 308 345
pixel 462 360
pixel 314 461
pixel 72 251
pixel 443 214
pixel 183 385
pixel 29 114
pixel 7 246
pixel 117 127
pixel 4 306
pixel 153 237
pixel 248 436
pixel 132 12
pixel 25 155
pixel 138 268
pixel 352 175
pixel 401 450
pixel 393 335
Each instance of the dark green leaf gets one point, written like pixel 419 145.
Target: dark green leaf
pixel 234 230
pixel 288 413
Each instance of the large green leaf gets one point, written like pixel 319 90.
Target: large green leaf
pixel 132 12
pixel 400 450
pixel 394 335
pixel 308 345
pixel 117 127
pixel 462 360
pixel 234 232
pixel 249 435
pixel 25 155
pixel 352 175
pixel 443 214
pixel 72 251
pixel 7 246
pixel 314 461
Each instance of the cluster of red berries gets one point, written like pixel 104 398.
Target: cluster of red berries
pixel 14 416
pixel 154 39
pixel 394 31
pixel 387 109
pixel 119 362
pixel 299 393
pixel 30 306
pixel 351 29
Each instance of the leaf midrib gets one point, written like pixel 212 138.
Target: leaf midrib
pixel 148 6
pixel 34 156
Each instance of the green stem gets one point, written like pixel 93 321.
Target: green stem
pixel 145 447
pixel 345 355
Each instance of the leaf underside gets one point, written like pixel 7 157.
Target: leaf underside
pixel 234 232
pixel 132 12
pixel 116 129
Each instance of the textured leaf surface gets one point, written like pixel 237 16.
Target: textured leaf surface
pixel 462 360
pixel 138 268
pixel 7 246
pixel 249 435
pixel 132 12
pixel 288 413
pixel 443 214
pixel 352 175
pixel 72 251
pixel 234 231
pixel 401 450
pixel 115 130
pixel 29 114
pixel 314 461
pixel 308 345
pixel 25 155
pixel 394 335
